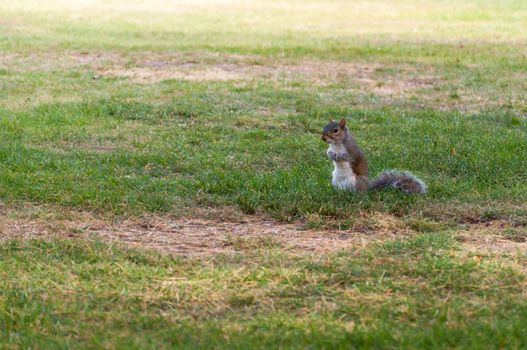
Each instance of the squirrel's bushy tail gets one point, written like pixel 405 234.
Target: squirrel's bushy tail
pixel 402 180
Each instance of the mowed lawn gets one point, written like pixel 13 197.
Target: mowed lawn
pixel 119 110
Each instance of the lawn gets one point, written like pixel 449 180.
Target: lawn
pixel 130 123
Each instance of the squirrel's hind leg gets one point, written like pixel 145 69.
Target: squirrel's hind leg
pixel 361 184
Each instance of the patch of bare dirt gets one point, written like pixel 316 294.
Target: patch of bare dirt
pixel 494 237
pixel 236 67
pixel 497 243
pixel 357 76
pixel 228 231
pixel 188 236
pixel 403 84
pixel 144 68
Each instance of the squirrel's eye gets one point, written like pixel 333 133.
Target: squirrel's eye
pixel 335 131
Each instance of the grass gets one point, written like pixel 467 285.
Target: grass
pixel 127 108
pixel 412 293
pixel 131 156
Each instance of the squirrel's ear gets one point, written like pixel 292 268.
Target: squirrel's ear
pixel 342 123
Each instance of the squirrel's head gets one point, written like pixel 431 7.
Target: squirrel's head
pixel 334 132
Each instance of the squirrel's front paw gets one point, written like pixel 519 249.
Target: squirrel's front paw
pixel 332 155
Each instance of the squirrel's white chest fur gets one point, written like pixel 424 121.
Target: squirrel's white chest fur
pixel 343 176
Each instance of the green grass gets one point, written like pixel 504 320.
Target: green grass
pixel 128 108
pixel 413 293
pixel 252 141
pixel 205 145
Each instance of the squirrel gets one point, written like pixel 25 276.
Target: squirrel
pixel 351 166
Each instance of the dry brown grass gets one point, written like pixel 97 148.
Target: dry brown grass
pixel 402 84
pixel 188 236
pixel 185 235
pixel 207 232
pixel 494 237
pixel 227 231
pixel 492 243
pixel 388 81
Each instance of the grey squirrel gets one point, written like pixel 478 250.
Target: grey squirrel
pixel 351 166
